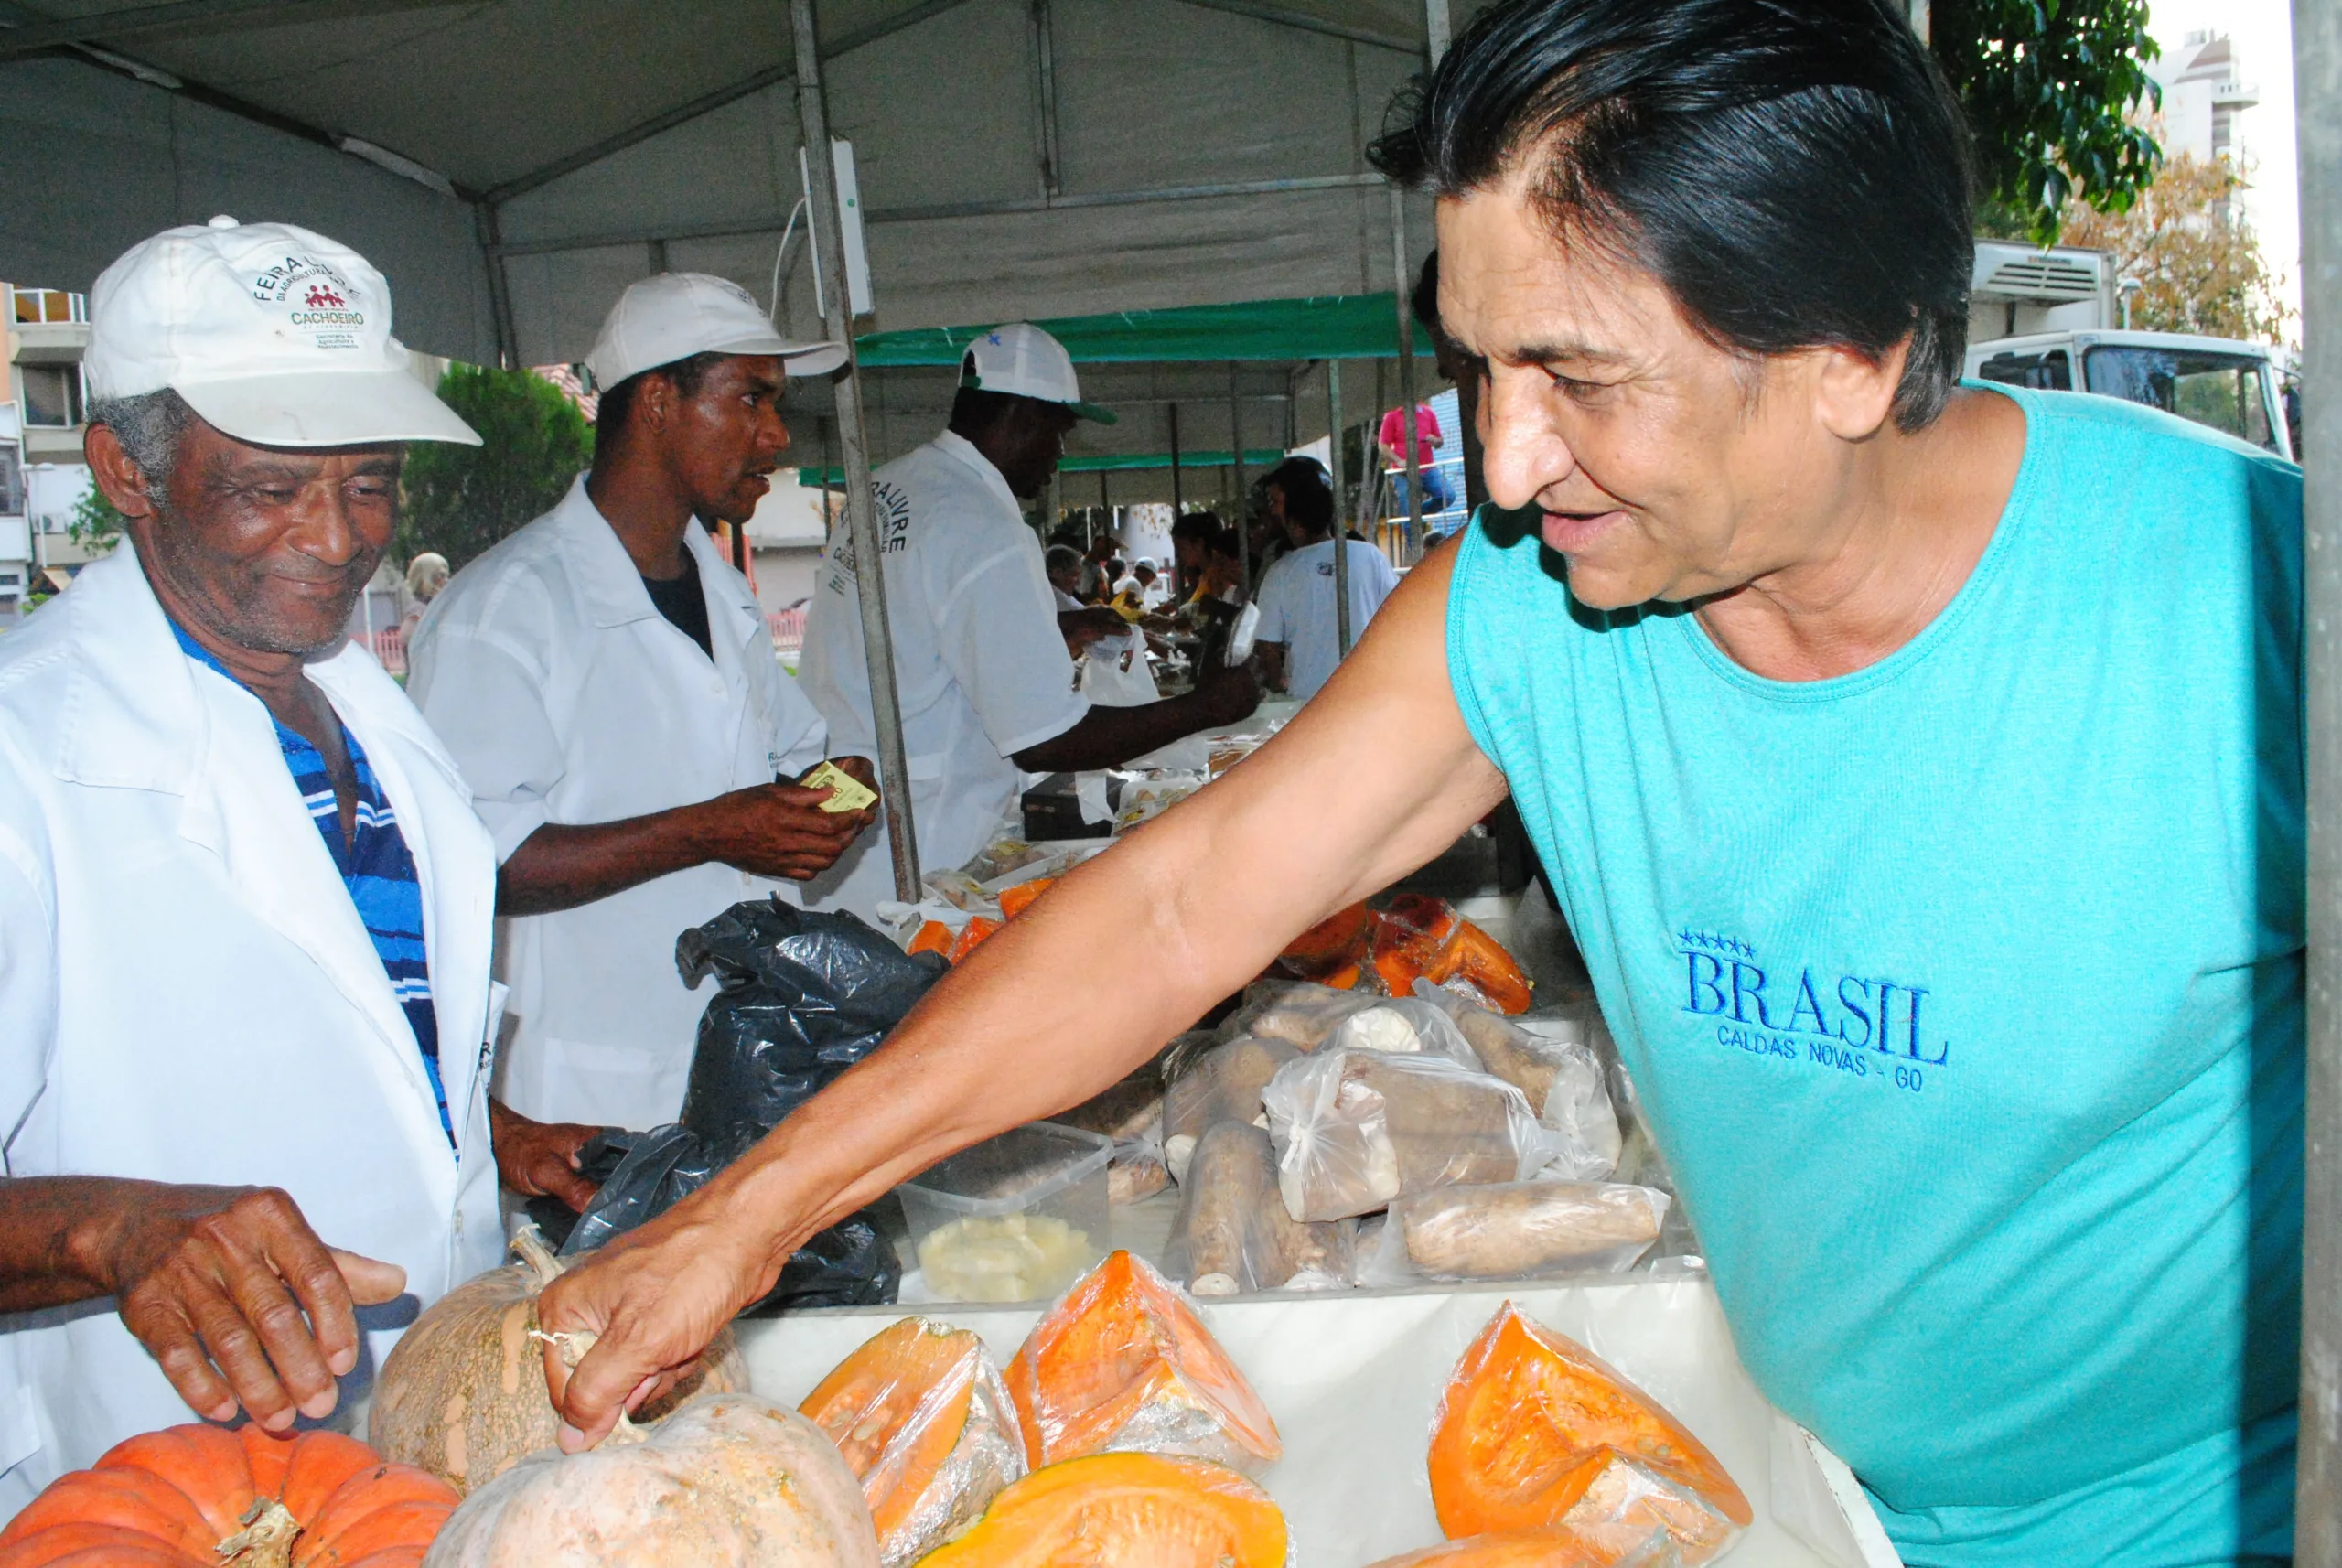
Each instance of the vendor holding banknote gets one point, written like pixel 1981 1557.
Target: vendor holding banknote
pixel 607 683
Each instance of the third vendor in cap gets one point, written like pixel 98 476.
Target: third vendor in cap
pixel 979 650
pixel 608 684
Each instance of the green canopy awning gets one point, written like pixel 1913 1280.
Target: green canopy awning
pixel 1257 459
pixel 1324 327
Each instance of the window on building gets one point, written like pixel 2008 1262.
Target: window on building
pixel 36 306
pixel 12 480
pixel 52 397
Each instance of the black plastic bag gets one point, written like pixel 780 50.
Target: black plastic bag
pixel 852 1264
pixel 800 998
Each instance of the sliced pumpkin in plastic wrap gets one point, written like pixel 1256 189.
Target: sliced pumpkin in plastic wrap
pixel 924 1422
pixel 1535 1431
pixel 1534 1548
pixel 1122 1363
pixel 972 936
pixel 1125 1508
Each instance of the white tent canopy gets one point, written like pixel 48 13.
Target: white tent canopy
pixel 1016 158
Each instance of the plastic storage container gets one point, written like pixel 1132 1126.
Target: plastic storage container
pixel 1018 1218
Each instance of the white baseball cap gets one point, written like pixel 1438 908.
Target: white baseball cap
pixel 1024 362
pixel 274 335
pixel 673 316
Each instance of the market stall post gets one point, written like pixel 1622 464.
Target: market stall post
pixel 1236 447
pixel 2317 76
pixel 861 512
pixel 1341 532
pixel 1413 549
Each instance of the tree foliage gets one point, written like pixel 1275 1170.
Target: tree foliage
pixel 458 501
pixel 95 526
pixel 2049 87
pixel 2198 261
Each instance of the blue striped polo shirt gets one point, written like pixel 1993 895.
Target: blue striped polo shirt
pixel 375 866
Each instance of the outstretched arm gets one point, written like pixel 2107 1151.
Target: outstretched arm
pixel 1372 779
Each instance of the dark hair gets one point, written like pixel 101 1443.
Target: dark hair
pixel 1227 545
pixel 1795 172
pixel 616 405
pixel 1308 493
pixel 1203 525
pixel 1425 301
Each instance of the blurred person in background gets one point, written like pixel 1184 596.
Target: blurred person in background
pixel 425 575
pixel 1299 636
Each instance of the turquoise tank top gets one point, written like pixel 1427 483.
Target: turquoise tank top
pixel 1964 993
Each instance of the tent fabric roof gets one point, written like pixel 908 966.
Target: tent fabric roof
pixel 513 164
pixel 1337 327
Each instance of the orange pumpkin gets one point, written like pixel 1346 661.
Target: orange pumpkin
pixel 1519 1549
pixel 463 1394
pixel 1123 1362
pixel 921 1417
pixel 934 936
pixel 1014 901
pixel 242 1499
pixel 1535 1431
pixel 1125 1507
pixel 972 936
pixel 1337 940
pixel 1473 955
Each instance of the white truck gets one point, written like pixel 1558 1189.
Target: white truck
pixel 2052 319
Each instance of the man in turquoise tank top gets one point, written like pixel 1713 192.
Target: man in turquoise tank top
pixel 1919 764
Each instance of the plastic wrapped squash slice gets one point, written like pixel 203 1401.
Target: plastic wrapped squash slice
pixel 1535 1431
pixel 1122 1363
pixel 924 1422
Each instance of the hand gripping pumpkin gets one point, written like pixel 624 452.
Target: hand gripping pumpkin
pixel 220 1498
pixel 920 1414
pixel 1535 1431
pixel 1125 1508
pixel 728 1481
pixel 463 1393
pixel 1123 1362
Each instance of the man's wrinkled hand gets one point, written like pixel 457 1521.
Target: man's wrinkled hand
pixel 1082 628
pixel 238 1300
pixel 539 1159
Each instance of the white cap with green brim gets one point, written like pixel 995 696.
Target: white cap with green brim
pixel 1024 362
pixel 276 336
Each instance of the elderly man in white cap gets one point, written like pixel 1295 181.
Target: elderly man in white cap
pixel 245 902
pixel 608 684
pixel 988 693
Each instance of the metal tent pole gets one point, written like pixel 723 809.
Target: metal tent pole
pixel 2317 94
pixel 1399 290
pixel 861 514
pixel 1236 446
pixel 1341 523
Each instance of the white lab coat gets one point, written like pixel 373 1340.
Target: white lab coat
pixel 979 665
pixel 566 697
pixel 191 996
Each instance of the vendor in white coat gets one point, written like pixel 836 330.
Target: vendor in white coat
pixel 608 684
pixel 244 903
pixel 986 688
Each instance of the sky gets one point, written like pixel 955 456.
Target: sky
pixel 2261 31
